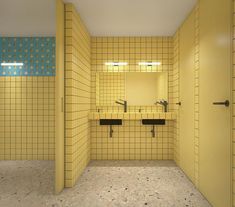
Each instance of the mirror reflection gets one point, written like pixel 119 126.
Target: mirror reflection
pixel 137 88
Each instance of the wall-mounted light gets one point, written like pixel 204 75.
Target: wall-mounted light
pixel 12 64
pixel 116 63
pixel 149 63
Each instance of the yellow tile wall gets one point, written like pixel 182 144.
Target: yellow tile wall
pixel 27 118
pixel 111 87
pixel 132 140
pixel 77 95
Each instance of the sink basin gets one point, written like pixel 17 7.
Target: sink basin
pixel 153 121
pixel 110 121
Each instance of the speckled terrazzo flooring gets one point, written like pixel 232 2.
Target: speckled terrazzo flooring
pixel 103 184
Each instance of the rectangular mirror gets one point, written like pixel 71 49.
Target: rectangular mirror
pixel 138 88
pixel 146 88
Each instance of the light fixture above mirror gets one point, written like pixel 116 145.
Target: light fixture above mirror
pixel 116 63
pixel 149 63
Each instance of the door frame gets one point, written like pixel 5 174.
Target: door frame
pixel 232 99
pixel 59 99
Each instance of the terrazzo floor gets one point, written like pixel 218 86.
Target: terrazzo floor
pixel 103 184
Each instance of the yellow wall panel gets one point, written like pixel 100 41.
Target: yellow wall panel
pixel 187 38
pixel 175 96
pixel 233 95
pixel 186 61
pixel 215 18
pixel 59 97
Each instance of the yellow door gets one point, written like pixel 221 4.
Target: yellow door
pixel 186 51
pixel 59 135
pixel 215 73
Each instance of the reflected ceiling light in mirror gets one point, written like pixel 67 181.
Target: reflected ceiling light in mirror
pixel 149 63
pixel 116 63
pixel 12 64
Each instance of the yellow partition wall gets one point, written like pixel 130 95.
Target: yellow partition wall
pixel 196 95
pixel 175 95
pixel 59 97
pixel 186 110
pixel 186 63
pixel 233 95
pixel 77 96
pixel 215 18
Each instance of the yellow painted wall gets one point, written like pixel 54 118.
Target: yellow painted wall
pixel 215 78
pixel 175 96
pixel 186 110
pixel 233 95
pixel 27 118
pixel 77 95
pixel 131 140
pixel 59 99
pixel 196 95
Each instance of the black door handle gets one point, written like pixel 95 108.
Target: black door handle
pixel 225 103
pixel 179 103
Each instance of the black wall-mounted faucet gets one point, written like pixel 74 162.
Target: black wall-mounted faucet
pixel 164 103
pixel 123 103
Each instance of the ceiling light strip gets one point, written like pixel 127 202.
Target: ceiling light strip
pixel 12 64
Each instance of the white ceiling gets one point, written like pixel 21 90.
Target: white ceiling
pixel 102 17
pixel 133 17
pixel 27 17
